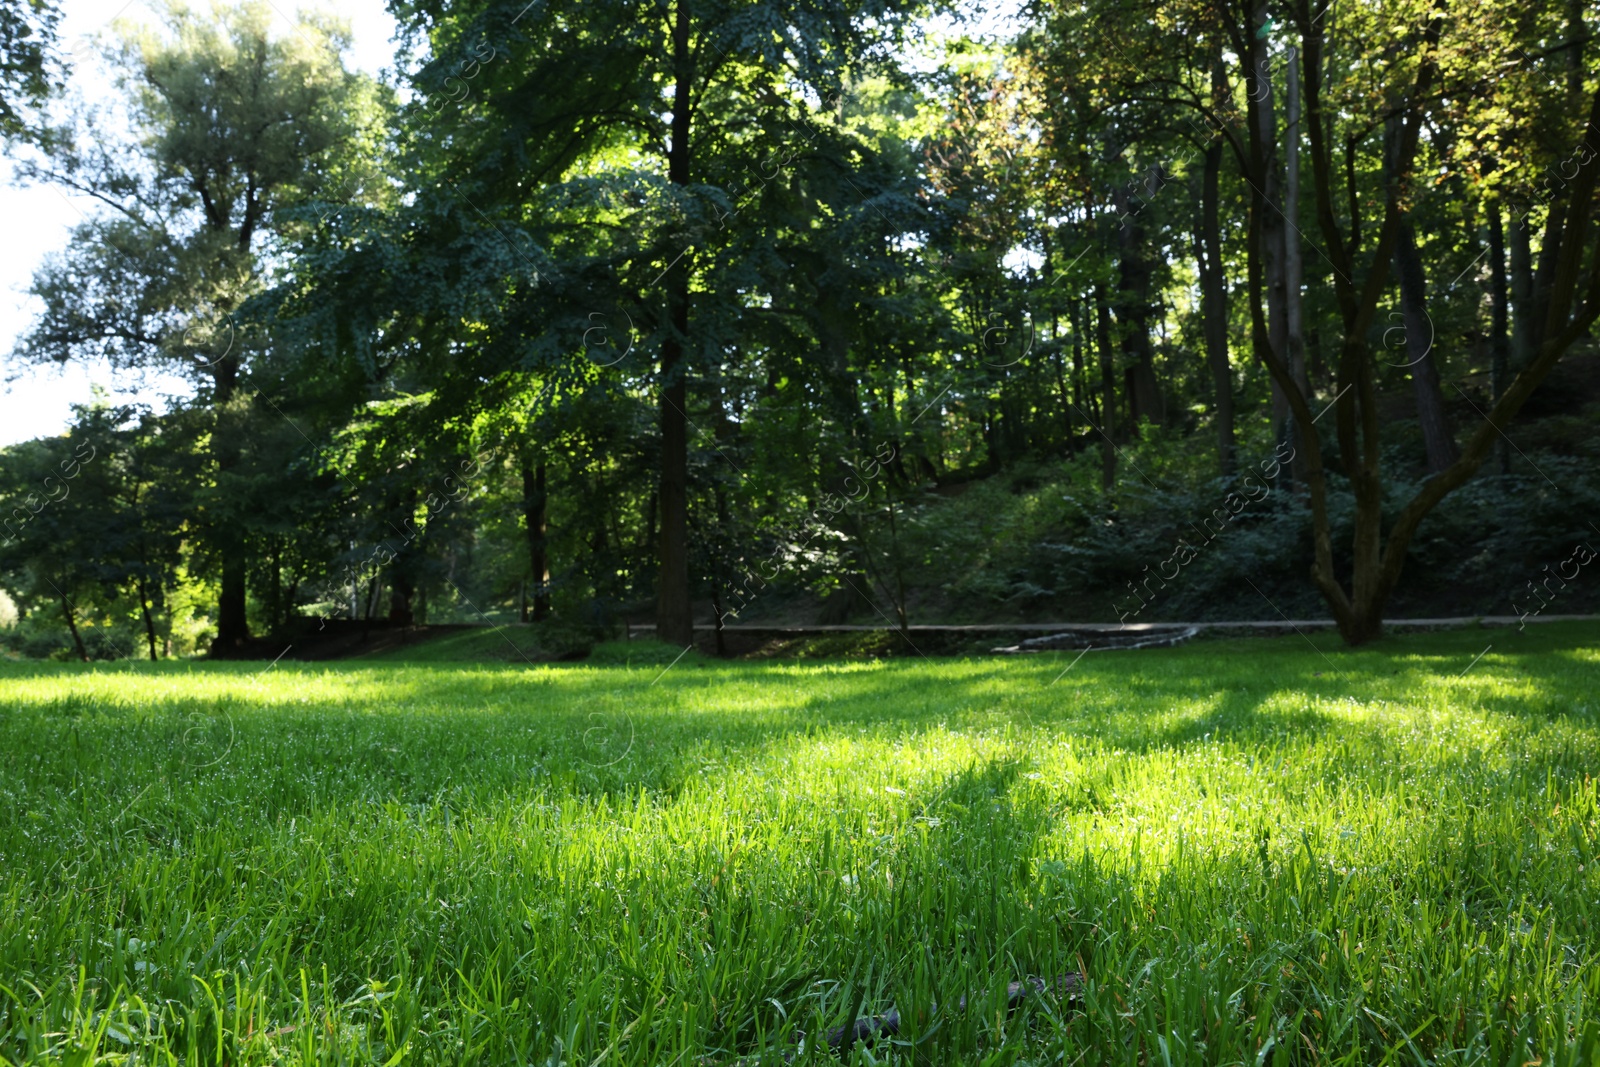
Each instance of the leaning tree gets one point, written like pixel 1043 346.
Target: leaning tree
pixel 1341 120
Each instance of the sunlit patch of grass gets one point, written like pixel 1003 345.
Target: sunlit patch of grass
pixel 1256 851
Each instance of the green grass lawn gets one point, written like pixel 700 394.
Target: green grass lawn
pixel 1256 854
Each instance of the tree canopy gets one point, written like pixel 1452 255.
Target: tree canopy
pixel 709 311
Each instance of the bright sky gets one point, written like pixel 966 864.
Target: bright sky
pixel 35 401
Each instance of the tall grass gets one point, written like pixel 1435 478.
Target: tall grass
pixel 1256 854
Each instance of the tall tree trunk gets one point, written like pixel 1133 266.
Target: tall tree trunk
pixel 233 625
pixel 1266 201
pixel 1352 194
pixel 1377 560
pixel 1133 316
pixel 1576 35
pixel 1499 343
pixel 899 571
pixel 1214 304
pixel 674 613
pixel 535 509
pixel 1544 272
pixel 1293 265
pixel 403 568
pixel 1077 322
pixel 72 624
pixel 1108 390
pixel 719 545
pixel 401 589
pixel 1436 438
pixel 650 512
pixel 717 614
pixel 1059 365
pixel 1522 315
pixel 149 621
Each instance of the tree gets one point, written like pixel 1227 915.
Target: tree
pixel 1370 81
pixel 95 519
pixel 45 547
pixel 27 34
pixel 229 127
pixel 644 112
pixel 1438 64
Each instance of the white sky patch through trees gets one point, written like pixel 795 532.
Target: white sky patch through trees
pixel 36 401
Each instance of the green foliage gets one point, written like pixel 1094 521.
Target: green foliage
pixel 1479 549
pixel 979 257
pixel 27 36
pixel 225 131
pixel 229 127
pixel 96 527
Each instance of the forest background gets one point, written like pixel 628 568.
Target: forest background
pixel 803 313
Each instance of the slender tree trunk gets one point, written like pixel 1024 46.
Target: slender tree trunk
pixel 1214 305
pixel 1293 265
pixel 1108 390
pixel 1059 364
pixel 719 548
pixel 1094 402
pixel 1078 323
pixel 650 510
pixel 717 613
pixel 1436 438
pixel 674 613
pixel 1499 343
pixel 402 579
pixel 899 570
pixel 535 507
pixel 1576 37
pixel 1267 206
pixel 1352 194
pixel 401 590
pixel 149 621
pixel 1316 358
pixel 233 625
pixel 280 615
pixel 1133 316
pixel 1522 313
pixel 72 624
pixel 1545 269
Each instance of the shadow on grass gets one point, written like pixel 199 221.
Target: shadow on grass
pixel 129 762
pixel 302 735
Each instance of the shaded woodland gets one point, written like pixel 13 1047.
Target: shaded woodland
pixel 814 311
